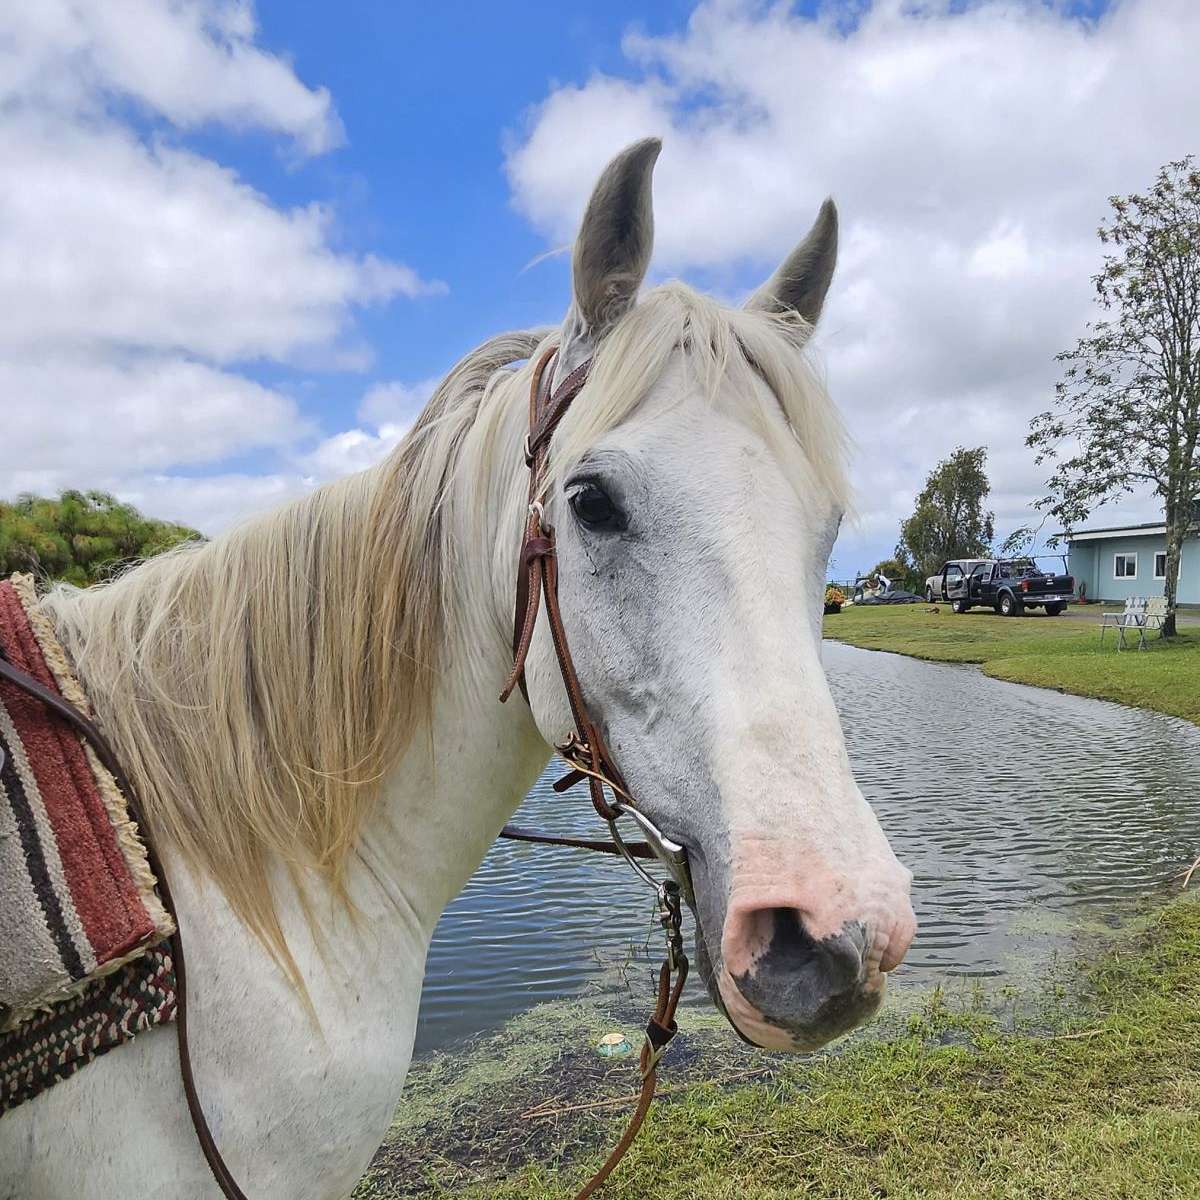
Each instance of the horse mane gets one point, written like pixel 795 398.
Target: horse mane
pixel 260 686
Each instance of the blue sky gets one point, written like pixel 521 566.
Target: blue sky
pixel 209 342
pixel 430 96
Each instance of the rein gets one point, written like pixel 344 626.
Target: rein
pixel 585 751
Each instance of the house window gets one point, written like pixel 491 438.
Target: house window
pixel 1160 565
pixel 1124 566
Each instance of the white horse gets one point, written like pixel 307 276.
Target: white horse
pixel 308 706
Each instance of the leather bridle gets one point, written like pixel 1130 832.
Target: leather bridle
pixel 585 750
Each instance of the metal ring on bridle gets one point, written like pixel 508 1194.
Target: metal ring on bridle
pixel 638 869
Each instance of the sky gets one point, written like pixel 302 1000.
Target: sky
pixel 240 243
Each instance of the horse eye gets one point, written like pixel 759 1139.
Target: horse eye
pixel 594 508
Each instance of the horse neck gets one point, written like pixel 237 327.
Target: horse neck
pixel 448 798
pixel 453 789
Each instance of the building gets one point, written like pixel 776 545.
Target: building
pixel 1131 560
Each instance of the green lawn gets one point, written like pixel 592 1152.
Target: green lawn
pixel 1103 1106
pixel 1095 1098
pixel 1052 652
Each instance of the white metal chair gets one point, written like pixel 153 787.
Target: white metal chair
pixel 1156 615
pixel 1139 615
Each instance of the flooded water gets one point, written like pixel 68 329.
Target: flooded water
pixel 1017 810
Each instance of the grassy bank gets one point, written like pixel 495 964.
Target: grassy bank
pixel 1103 1104
pixel 1053 652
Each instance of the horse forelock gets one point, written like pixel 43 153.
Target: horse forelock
pixel 721 346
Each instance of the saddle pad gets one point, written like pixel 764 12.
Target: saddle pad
pixel 50 1046
pixel 77 897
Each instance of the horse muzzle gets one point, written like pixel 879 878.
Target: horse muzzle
pixel 790 979
pixel 802 993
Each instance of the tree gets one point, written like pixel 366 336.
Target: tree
pixel 81 537
pixel 1128 413
pixel 950 520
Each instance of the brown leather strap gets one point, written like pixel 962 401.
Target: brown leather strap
pixel 537 575
pixel 586 751
pixel 87 728
pixel 660 1029
pixel 543 428
pixel 515 833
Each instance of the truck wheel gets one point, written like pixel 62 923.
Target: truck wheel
pixel 1052 610
pixel 960 606
pixel 1010 606
pixel 929 595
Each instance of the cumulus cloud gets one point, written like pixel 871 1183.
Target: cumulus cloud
pixel 190 61
pixel 395 402
pixel 971 150
pixel 138 278
pixel 145 414
pixel 223 413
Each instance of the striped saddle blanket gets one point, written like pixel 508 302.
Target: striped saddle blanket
pixel 80 920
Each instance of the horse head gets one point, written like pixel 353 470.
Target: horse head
pixel 696 488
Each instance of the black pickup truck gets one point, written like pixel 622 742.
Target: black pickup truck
pixel 1009 585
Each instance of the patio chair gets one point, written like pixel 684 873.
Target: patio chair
pixel 1156 615
pixel 1139 615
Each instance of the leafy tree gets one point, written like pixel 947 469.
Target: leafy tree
pixel 950 520
pixel 1128 412
pixel 81 537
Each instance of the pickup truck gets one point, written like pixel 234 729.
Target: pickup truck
pixel 1009 585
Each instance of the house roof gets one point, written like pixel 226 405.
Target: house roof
pixel 1085 535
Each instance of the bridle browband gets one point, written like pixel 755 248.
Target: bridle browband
pixel 585 751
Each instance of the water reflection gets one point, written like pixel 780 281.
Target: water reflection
pixel 1009 804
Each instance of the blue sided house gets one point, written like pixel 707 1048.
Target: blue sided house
pixel 1131 560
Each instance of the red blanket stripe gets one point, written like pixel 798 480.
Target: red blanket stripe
pixel 109 908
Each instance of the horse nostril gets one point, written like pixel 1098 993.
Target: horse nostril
pixel 795 980
pixel 793 949
pixel 790 940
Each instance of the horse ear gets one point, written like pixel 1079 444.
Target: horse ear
pixel 613 248
pixel 803 278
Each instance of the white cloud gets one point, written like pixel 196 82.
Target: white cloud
pixel 107 241
pixel 971 154
pixel 396 402
pixel 137 275
pixel 190 61
pixel 348 451
pixel 209 503
pixel 248 415
pixel 68 421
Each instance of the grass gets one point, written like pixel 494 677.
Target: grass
pixel 1104 1104
pixel 1051 652
pixel 968 1098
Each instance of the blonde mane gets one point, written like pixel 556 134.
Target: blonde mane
pixel 260 686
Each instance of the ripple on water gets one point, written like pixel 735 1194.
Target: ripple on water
pixel 1007 803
